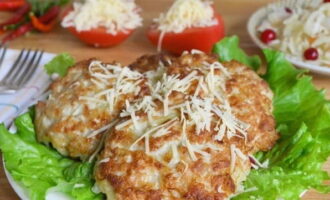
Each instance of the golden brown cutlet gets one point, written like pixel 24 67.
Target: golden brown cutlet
pixel 190 137
pixel 82 105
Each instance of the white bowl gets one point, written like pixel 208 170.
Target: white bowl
pixel 255 21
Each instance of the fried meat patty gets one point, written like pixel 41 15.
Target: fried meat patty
pixel 82 105
pixel 190 136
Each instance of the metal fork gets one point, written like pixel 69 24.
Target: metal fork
pixel 21 71
pixel 3 50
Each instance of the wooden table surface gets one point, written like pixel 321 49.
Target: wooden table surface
pixel 234 12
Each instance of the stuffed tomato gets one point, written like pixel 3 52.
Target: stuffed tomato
pixel 187 25
pixel 102 23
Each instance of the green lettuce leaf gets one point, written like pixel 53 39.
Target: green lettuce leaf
pixel 303 120
pixel 60 64
pixel 228 49
pixel 79 175
pixel 39 168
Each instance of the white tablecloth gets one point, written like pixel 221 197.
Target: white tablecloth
pixel 13 104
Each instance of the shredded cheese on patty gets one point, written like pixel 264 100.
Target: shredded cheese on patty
pixel 203 106
pixel 116 80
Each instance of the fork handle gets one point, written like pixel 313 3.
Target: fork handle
pixel 6 90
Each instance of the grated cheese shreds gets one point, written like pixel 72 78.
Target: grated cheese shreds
pixel 175 156
pixel 257 164
pixel 112 82
pixel 234 152
pixel 200 113
pixel 100 130
pixel 232 158
pixel 186 14
pixel 114 15
pixel 153 129
pixel 205 109
pixel 121 80
pixel 186 141
pixel 123 124
pixel 105 160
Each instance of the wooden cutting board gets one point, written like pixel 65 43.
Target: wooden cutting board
pixel 234 12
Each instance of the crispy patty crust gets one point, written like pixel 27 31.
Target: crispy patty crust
pixel 83 104
pixel 190 136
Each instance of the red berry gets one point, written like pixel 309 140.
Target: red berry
pixel 311 54
pixel 267 36
pixel 288 10
pixel 326 1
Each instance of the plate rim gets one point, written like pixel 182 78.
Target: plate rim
pixel 21 191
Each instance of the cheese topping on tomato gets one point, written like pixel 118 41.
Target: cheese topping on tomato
pixel 114 15
pixel 185 14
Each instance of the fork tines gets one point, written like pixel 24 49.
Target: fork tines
pixel 31 67
pixel 3 50
pixel 22 70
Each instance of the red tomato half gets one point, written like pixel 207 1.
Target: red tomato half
pixel 99 37
pixel 202 38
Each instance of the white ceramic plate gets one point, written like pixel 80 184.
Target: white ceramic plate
pixel 255 21
pixel 20 191
pixel 23 194
pixel 22 100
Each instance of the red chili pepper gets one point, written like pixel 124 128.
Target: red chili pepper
pixel 51 14
pixel 8 5
pixel 19 15
pixel 18 32
pixel 37 24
